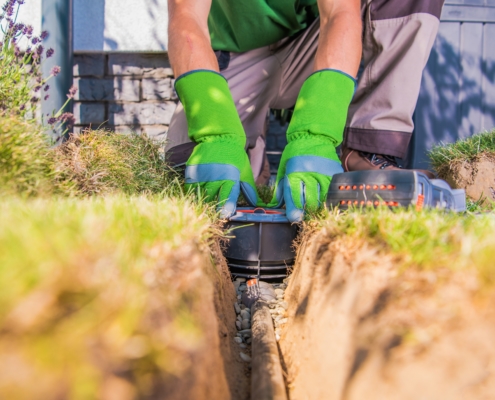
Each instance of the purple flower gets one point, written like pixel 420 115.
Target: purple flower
pixel 47 87
pixel 72 92
pixel 44 35
pixel 37 88
pixel 35 40
pixel 68 118
pixel 20 1
pixel 29 30
pixel 52 121
pixel 22 107
pixel 39 50
pixel 39 79
pixel 55 70
pixel 46 97
pixel 17 28
pixel 49 52
pixel 34 99
pixel 8 6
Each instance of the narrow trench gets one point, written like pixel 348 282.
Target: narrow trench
pixel 349 325
pixel 277 308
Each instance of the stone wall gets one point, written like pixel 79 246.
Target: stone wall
pixel 135 92
pixel 124 92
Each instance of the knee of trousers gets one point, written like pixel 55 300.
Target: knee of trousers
pixel 390 9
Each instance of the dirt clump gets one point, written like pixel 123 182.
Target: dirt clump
pixel 360 328
pixel 476 176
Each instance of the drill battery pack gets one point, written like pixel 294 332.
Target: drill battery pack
pixel 393 189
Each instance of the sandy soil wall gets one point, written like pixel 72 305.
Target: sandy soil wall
pixel 236 370
pixel 359 329
pixel 215 369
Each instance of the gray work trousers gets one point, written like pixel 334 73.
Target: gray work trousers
pixel 397 39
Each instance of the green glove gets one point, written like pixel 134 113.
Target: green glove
pixel 219 164
pixel 309 160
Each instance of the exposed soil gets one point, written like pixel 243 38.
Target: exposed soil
pixel 218 372
pixel 359 329
pixel 476 176
pixel 236 370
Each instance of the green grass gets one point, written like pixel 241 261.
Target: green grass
pixel 27 165
pixel 264 191
pixel 93 163
pixel 102 162
pixel 462 150
pixel 95 286
pixel 427 240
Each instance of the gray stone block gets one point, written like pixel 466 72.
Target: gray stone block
pixel 158 89
pixel 155 131
pixel 141 113
pixel 126 130
pixel 89 65
pixel 91 89
pixel 154 65
pixel 89 113
pixel 83 128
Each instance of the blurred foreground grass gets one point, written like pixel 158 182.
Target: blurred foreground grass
pixel 94 289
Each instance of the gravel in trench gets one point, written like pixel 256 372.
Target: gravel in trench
pixel 278 309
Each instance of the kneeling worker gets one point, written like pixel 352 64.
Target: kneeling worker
pixel 234 60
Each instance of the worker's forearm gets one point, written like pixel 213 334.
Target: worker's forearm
pixel 189 46
pixel 339 45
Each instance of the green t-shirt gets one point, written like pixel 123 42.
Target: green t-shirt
pixel 242 25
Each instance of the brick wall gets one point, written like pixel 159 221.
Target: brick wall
pixel 135 92
pixel 124 92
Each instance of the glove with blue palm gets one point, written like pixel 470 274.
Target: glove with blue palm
pixel 309 160
pixel 219 164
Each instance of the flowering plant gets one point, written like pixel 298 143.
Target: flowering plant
pixel 21 82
